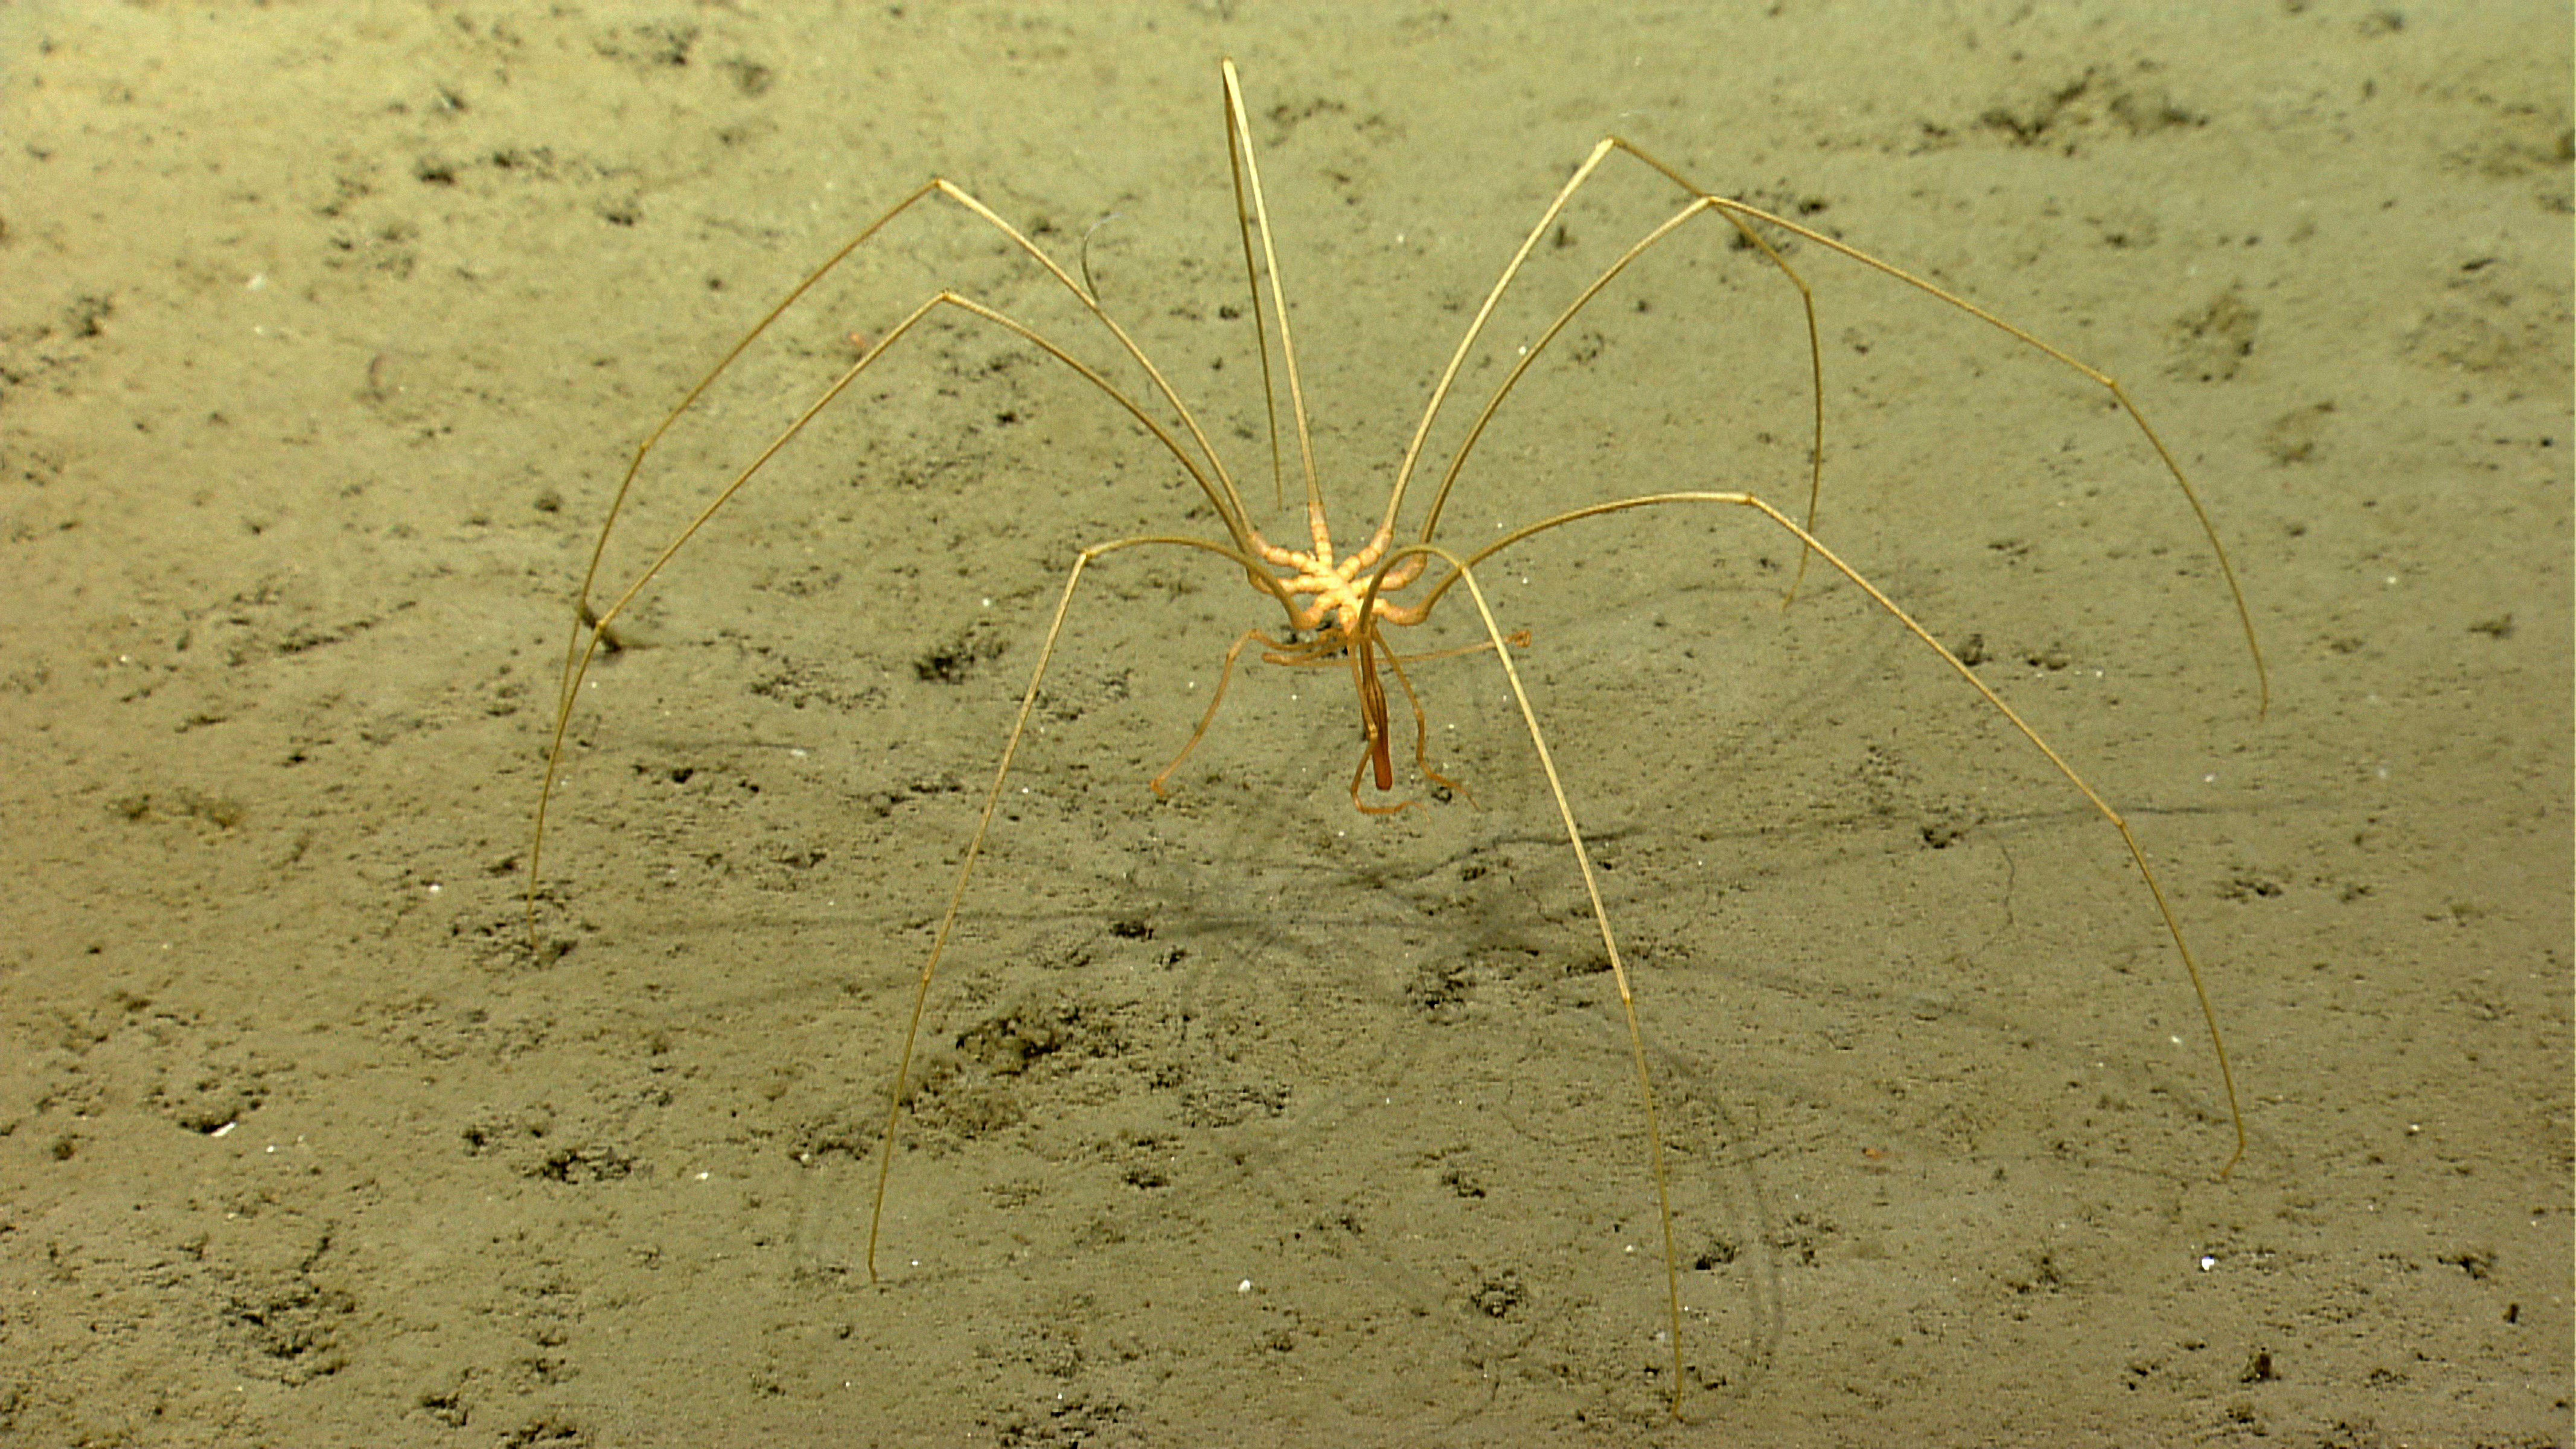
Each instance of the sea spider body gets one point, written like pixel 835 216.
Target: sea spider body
pixel 1348 605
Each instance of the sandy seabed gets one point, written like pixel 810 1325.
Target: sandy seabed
pixel 1243 1117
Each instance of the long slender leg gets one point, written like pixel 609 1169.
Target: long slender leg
pixel 2137 853
pixel 957 897
pixel 1740 213
pixel 1462 569
pixel 1743 218
pixel 599 622
pixel 1247 184
pixel 975 851
pixel 1201 461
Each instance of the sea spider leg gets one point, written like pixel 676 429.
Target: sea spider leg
pixel 1462 570
pixel 2101 806
pixel 1212 478
pixel 1742 217
pixel 1224 677
pixel 975 845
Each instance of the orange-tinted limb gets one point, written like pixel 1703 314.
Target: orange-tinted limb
pixel 1224 677
pixel 1422 723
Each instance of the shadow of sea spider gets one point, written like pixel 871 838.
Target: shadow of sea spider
pixel 1341 607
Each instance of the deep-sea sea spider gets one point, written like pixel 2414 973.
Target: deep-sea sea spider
pixel 1340 607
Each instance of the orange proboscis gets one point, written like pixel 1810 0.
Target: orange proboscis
pixel 1373 712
